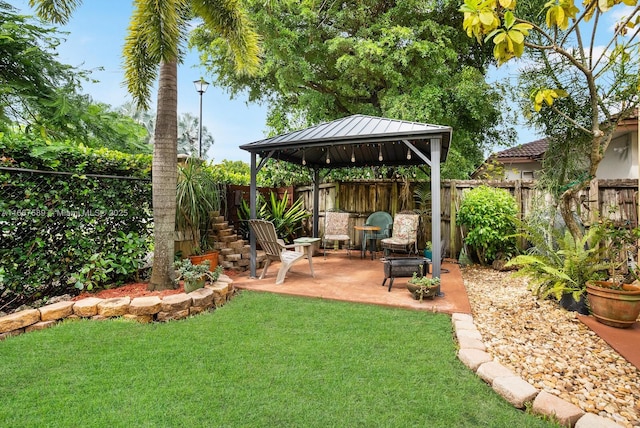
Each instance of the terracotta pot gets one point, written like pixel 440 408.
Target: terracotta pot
pixel 616 308
pixel 212 257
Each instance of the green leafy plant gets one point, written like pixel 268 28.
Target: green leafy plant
pixel 422 199
pixel 287 221
pixel 557 264
pixel 93 274
pixel 489 215
pixel 619 245
pixel 197 195
pixel 426 286
pixel 195 276
pixel 52 223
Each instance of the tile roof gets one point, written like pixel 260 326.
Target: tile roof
pixel 532 150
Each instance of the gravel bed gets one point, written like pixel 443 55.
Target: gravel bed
pixel 550 348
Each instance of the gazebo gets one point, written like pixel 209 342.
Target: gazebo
pixel 357 141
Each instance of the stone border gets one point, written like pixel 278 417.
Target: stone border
pixel 473 353
pixel 142 309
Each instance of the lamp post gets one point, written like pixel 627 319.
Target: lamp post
pixel 201 88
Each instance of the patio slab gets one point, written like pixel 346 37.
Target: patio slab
pixel 339 277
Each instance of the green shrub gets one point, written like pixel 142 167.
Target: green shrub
pixel 73 224
pixel 556 264
pixel 287 221
pixel 489 215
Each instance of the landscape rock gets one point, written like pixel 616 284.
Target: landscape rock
pixel 115 307
pixel 56 311
pixel 148 305
pixel 551 348
pixel 173 315
pixel 143 319
pixel 589 420
pixel 565 413
pixel 492 370
pixel 86 307
pixel 175 302
pixel 40 326
pixel 202 297
pixel 19 320
pixel 473 358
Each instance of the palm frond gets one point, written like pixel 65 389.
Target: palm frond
pixel 230 20
pixel 56 11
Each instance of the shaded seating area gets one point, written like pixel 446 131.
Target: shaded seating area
pixel 404 234
pixel 384 222
pixel 276 250
pixel 336 229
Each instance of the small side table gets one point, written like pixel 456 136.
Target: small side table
pixel 364 230
pixel 306 245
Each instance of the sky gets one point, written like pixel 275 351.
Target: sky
pixel 96 36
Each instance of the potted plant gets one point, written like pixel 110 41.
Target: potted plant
pixel 616 301
pixel 197 196
pixel 195 276
pixel 423 286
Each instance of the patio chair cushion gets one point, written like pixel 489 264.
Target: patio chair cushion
pixel 336 228
pixel 405 233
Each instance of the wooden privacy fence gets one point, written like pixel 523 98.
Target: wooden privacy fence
pixel 616 199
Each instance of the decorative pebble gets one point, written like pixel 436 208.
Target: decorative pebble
pixel 550 348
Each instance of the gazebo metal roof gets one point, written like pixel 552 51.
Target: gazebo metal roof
pixel 356 140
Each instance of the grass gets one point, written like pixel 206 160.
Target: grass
pixel 263 360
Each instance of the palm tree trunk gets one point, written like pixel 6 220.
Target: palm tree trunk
pixel 164 178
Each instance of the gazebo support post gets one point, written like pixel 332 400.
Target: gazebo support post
pixel 316 201
pixel 253 193
pixel 436 237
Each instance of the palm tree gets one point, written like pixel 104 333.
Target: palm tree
pixel 153 48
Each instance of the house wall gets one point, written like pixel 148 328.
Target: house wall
pixel 521 170
pixel 621 159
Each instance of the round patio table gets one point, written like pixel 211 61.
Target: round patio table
pixel 364 230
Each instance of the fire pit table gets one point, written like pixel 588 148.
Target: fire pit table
pixel 404 267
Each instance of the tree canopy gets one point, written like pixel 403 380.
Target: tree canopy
pixel 405 59
pixel 581 78
pixel 42 96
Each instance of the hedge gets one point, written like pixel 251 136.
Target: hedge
pixel 70 217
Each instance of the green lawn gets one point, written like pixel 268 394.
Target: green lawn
pixel 263 360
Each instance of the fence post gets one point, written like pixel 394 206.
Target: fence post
pixel 594 200
pixel 453 241
pixel 518 196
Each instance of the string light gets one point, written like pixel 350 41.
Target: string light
pixel 328 159
pixel 408 154
pixel 304 161
pixel 353 154
pixel 380 153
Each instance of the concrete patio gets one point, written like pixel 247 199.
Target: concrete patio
pixel 352 279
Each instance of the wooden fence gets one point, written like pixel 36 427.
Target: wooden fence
pixel 615 198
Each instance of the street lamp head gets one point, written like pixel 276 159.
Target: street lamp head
pixel 201 85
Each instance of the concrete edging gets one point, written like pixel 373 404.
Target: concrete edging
pixel 472 352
